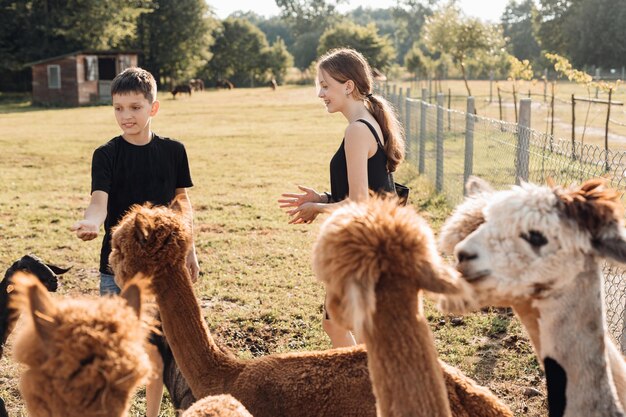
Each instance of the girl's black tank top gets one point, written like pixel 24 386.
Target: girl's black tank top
pixel 378 179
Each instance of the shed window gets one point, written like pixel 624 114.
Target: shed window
pixel 91 68
pixel 54 76
pixel 124 62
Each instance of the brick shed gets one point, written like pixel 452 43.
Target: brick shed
pixel 78 78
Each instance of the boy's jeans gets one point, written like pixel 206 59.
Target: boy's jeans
pixel 107 284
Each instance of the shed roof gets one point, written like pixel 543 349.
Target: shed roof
pixel 84 52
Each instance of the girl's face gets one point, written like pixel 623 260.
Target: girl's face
pixel 331 91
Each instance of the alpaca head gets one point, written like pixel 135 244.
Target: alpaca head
pixel 361 243
pixel 145 237
pixel 83 357
pixel 217 406
pixel 532 241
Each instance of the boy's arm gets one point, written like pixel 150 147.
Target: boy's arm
pixel 95 214
pixel 192 259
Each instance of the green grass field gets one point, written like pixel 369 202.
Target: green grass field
pixel 257 290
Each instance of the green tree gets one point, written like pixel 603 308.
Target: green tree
pixel 519 26
pixel 175 38
pixel 448 32
pixel 377 49
pixel 278 60
pixel 409 17
pixel 416 62
pixel 554 18
pixel 238 53
pixel 307 20
pixel 35 29
pixel 596 31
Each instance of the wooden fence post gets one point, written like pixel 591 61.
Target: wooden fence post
pixel 439 173
pixel 407 121
pixel 573 127
pixel 469 142
pixel 500 102
pixel 515 103
pixel 606 132
pixel 422 140
pixel 523 142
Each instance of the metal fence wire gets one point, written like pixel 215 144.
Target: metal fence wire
pixel 447 146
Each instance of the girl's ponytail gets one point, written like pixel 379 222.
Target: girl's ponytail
pixel 390 127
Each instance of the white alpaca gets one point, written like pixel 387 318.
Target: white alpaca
pixel 539 249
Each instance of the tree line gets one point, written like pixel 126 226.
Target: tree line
pixel 182 39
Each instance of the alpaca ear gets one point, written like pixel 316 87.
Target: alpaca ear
pixel 178 205
pixel 476 185
pixel 32 297
pixel 143 226
pixel 132 295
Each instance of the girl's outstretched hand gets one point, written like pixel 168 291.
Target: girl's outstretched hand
pixel 305 213
pixel 296 200
pixel 304 207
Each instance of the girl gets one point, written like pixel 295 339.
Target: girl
pixel 372 148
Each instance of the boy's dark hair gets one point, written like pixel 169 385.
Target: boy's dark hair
pixel 135 80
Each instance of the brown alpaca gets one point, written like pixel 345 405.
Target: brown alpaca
pixel 217 406
pixel 375 259
pixel 84 357
pixel 154 241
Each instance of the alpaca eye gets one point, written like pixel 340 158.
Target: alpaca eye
pixel 535 238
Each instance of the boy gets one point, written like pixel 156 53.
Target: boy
pixel 134 168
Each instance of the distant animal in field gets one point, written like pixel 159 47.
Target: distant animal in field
pixel 273 84
pixel 224 83
pixel 182 88
pixel 196 84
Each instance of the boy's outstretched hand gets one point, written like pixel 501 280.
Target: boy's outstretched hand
pixel 85 230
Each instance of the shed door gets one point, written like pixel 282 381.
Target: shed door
pixel 106 72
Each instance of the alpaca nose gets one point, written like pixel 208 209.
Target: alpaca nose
pixel 463 256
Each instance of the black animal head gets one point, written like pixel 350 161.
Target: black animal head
pixel 48 274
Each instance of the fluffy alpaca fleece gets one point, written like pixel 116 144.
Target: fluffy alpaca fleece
pixel 83 357
pixel 538 250
pixel 217 406
pixel 375 258
pixel 154 241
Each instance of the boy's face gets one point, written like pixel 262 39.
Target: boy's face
pixel 133 112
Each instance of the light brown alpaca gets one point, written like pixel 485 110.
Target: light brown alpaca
pixel 375 259
pixel 217 406
pixel 329 383
pixel 538 250
pixel 84 357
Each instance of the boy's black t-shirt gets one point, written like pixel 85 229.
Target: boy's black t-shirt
pixel 132 174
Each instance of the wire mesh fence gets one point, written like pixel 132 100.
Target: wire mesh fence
pixel 447 146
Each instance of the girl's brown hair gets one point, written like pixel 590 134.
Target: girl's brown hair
pixel 347 64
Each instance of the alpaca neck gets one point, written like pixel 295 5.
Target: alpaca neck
pixel 529 316
pixel 574 355
pixel 207 369
pixel 406 375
